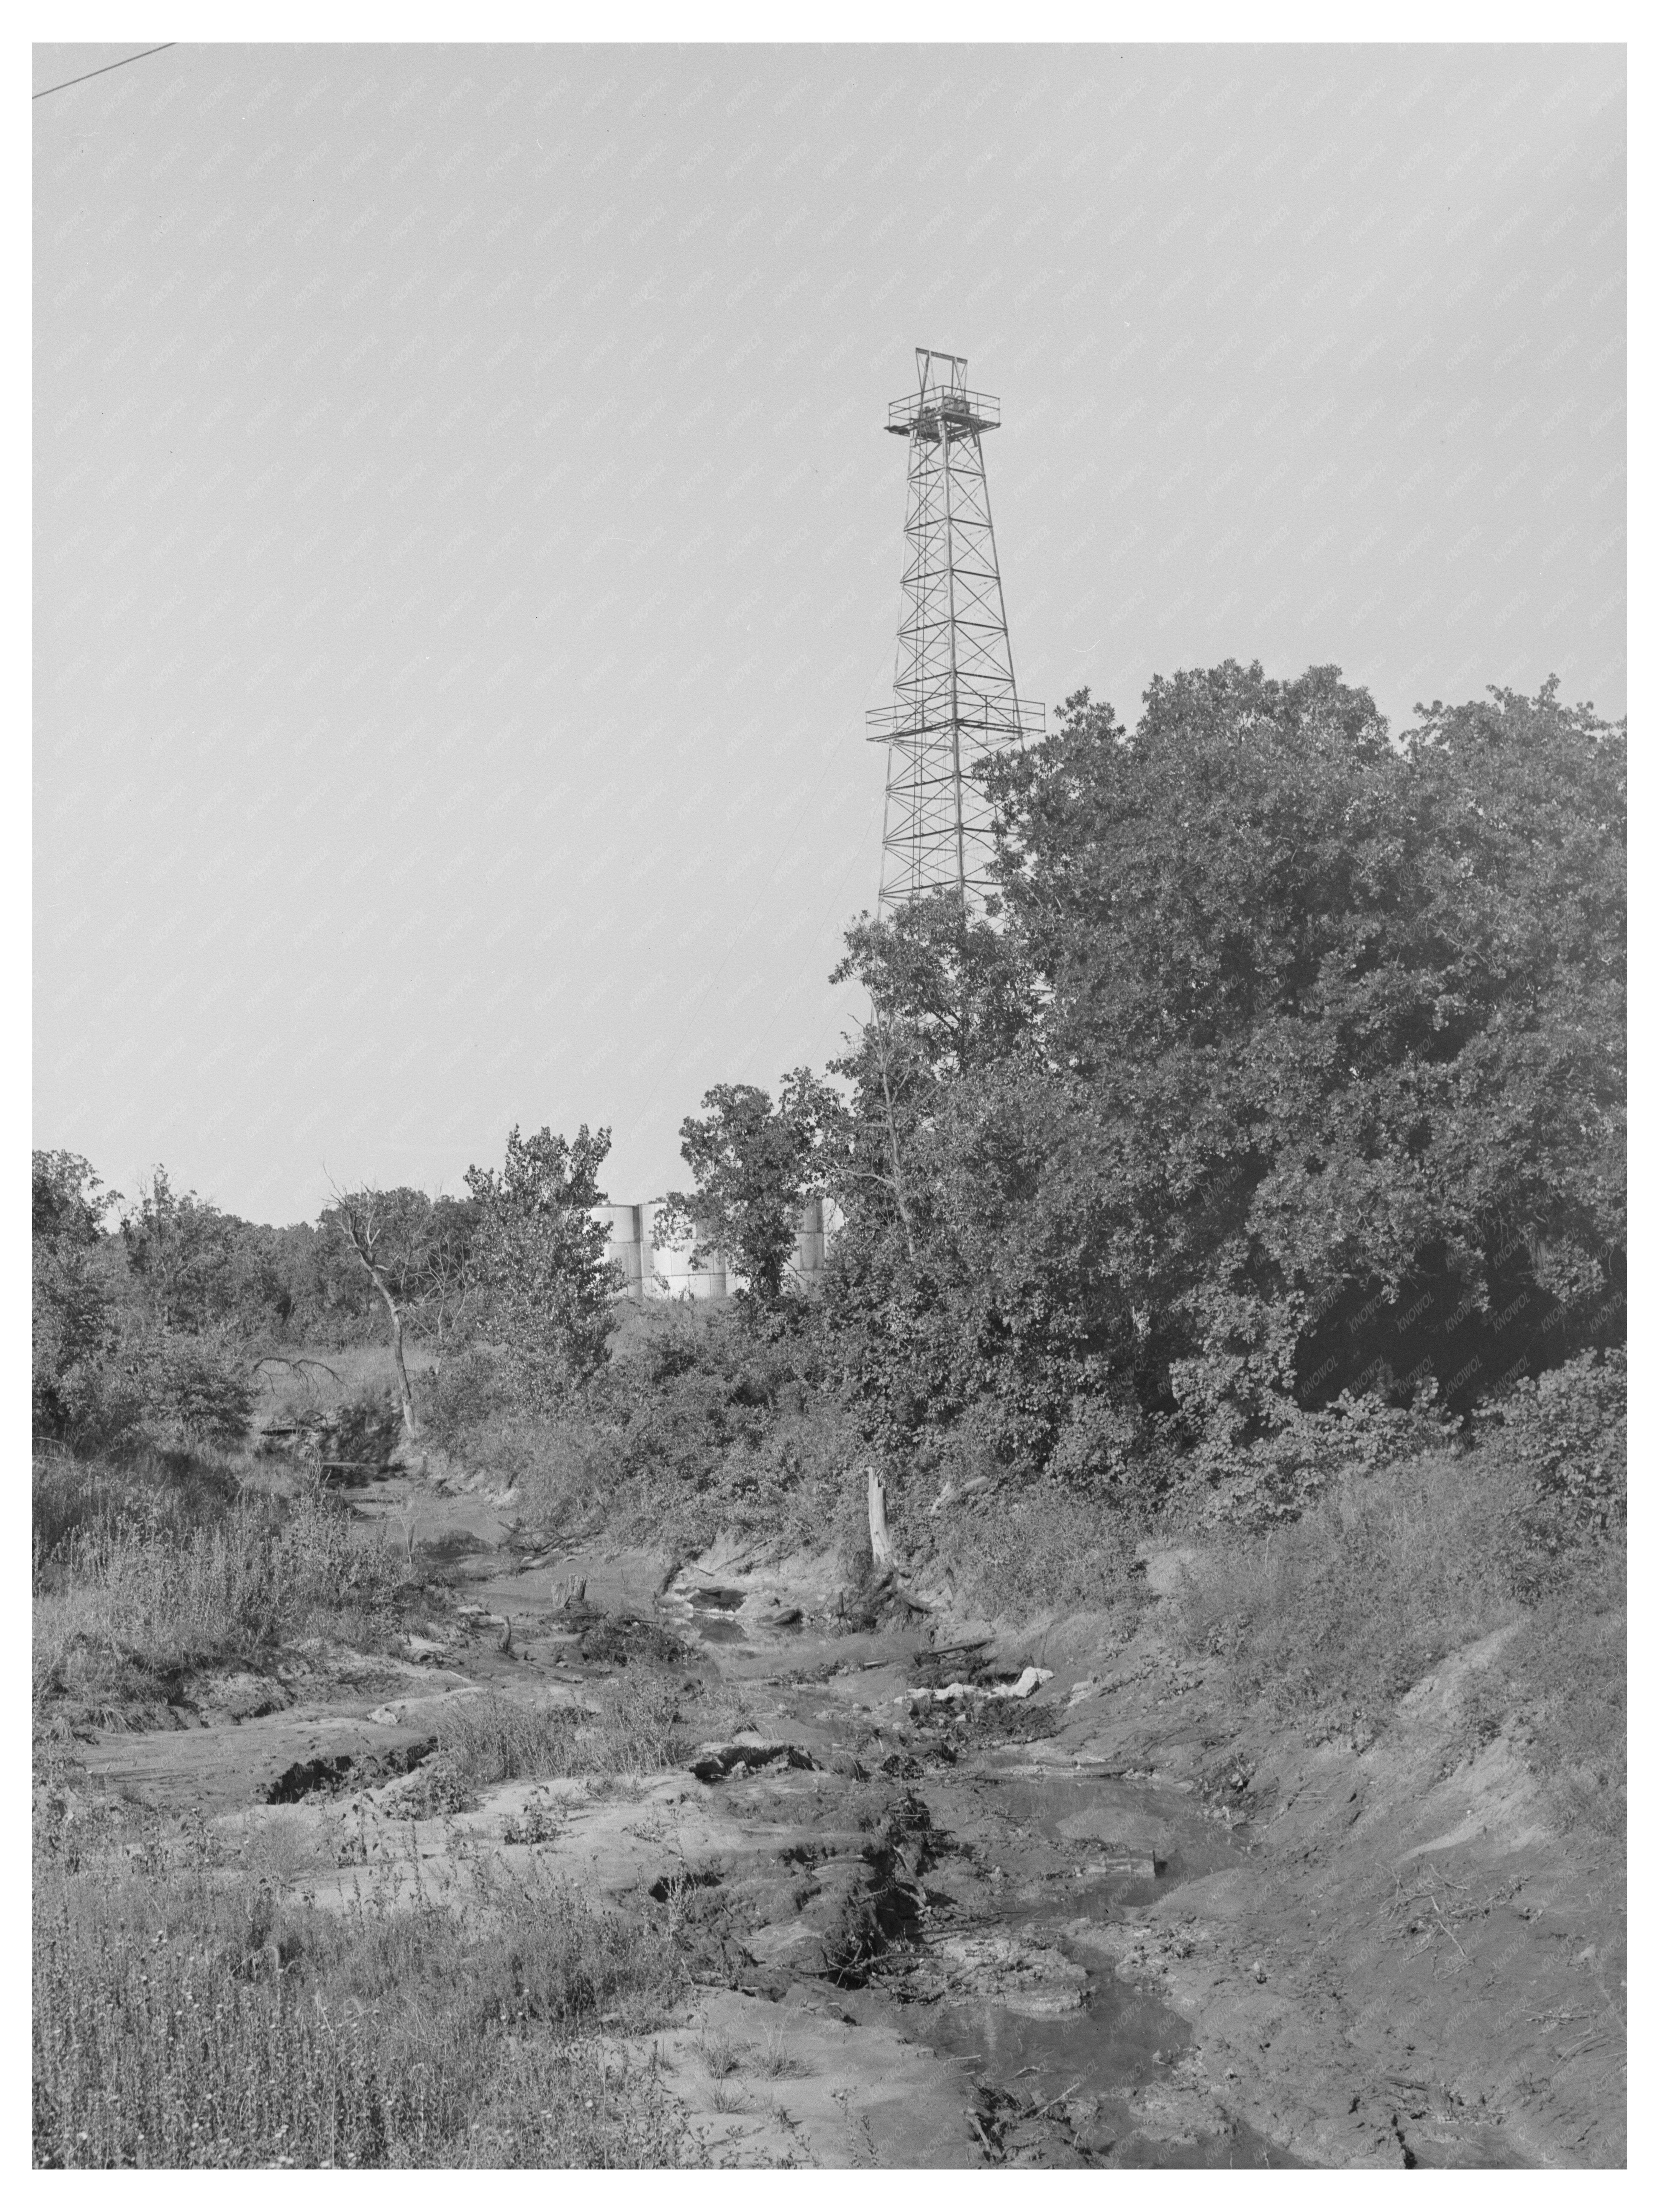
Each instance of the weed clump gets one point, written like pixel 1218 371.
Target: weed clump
pixel 635 1728
pixel 183 2020
pixel 136 1581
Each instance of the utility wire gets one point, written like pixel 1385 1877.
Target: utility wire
pixel 106 70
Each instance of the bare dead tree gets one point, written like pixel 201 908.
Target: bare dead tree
pixel 388 1244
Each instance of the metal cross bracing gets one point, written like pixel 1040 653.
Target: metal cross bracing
pixel 955 700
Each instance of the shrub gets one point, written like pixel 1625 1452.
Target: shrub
pixel 194 1389
pixel 1567 1436
pixel 1018 1551
pixel 364 1431
pixel 155 1387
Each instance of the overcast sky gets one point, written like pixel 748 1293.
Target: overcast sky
pixel 466 544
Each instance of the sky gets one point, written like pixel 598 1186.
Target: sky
pixel 466 543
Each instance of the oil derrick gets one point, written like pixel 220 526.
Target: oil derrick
pixel 955 702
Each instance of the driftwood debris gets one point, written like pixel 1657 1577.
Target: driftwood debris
pixel 887 1583
pixel 953 1493
pixel 881 1544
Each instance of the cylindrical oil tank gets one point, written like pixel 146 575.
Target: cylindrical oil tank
pixel 684 1281
pixel 630 1244
pixel 809 1242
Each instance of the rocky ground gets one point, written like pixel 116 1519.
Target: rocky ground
pixel 1086 1925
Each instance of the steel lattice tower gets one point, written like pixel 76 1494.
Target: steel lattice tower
pixel 954 696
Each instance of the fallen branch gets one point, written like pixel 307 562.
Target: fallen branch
pixel 1037 2110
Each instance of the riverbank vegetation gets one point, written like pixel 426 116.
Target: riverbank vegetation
pixel 1250 1179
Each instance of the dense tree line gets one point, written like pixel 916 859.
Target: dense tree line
pixel 148 1321
pixel 1287 1072
pixel 1281 1084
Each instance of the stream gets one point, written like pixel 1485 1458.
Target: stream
pixel 1004 1928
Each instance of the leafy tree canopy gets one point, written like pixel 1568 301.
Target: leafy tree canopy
pixel 754 1165
pixel 1294 1064
pixel 542 1257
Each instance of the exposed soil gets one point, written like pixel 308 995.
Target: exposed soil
pixel 1085 1927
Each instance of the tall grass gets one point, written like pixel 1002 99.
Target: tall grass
pixel 1561 1684
pixel 188 2019
pixel 179 1490
pixel 1329 1620
pixel 639 1728
pixel 298 1380
pixel 133 1586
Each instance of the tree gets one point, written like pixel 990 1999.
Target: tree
pixel 389 1235
pixel 73 1298
pixel 754 1165
pixel 1339 1021
pixel 67 1199
pixel 1293 1065
pixel 451 1288
pixel 181 1251
pixel 541 1259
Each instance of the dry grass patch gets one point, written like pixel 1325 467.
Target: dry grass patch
pixel 129 1599
pixel 189 2016
pixel 1330 1619
pixel 639 1728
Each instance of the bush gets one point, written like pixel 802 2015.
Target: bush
pixel 364 1431
pixel 1567 1436
pixel 157 1387
pixel 1018 1550
pixel 466 1393
pixel 195 1389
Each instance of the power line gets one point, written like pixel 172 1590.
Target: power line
pixel 106 70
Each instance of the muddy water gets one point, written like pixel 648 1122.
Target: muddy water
pixel 1072 1856
pixel 1010 1970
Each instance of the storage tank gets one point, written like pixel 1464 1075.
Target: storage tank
pixel 685 1281
pixel 807 1266
pixel 630 1247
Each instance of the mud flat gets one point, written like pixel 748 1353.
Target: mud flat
pixel 1078 1927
